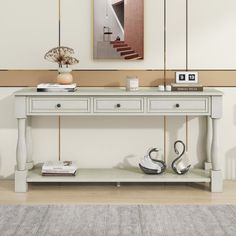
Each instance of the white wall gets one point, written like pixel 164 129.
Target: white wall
pixel 212 34
pixel 111 141
pixel 29 28
pixel 176 34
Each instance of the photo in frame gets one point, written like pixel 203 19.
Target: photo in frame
pixel 118 31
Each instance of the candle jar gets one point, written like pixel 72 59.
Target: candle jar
pixel 168 88
pixel 161 87
pixel 132 84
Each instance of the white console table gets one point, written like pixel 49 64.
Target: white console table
pixel 117 102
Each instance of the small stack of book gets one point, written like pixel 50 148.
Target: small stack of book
pixel 59 168
pixel 186 87
pixel 56 87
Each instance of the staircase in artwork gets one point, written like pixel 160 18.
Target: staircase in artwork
pixel 125 50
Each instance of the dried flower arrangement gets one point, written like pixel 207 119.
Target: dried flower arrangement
pixel 62 56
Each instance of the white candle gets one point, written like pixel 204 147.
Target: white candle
pixel 168 88
pixel 132 84
pixel 161 87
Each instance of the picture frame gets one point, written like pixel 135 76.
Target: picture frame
pixel 118 30
pixel 186 77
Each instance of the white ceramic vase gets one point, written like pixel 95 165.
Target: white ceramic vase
pixel 64 76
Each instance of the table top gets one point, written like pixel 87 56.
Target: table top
pixel 120 91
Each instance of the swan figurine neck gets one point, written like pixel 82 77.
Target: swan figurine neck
pixel 177 165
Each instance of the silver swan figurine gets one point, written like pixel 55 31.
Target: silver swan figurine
pixel 152 166
pixel 178 165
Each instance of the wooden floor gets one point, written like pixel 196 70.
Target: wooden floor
pixel 126 194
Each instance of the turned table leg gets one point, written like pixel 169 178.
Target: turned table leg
pixel 216 173
pixel 208 163
pixel 29 146
pixel 21 158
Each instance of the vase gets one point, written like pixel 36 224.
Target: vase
pixel 64 76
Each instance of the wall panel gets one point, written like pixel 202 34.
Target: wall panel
pixel 28 30
pixel 112 78
pixel 212 34
pixel 176 34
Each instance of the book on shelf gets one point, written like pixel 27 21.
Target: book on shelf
pixel 59 168
pixel 56 87
pixel 187 87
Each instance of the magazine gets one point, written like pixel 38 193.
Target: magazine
pixel 59 168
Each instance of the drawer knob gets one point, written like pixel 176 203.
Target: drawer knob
pixel 177 105
pixel 118 105
pixel 58 105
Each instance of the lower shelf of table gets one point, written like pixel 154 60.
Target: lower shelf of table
pixel 120 175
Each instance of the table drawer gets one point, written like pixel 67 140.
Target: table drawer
pixel 118 105
pixel 58 105
pixel 179 105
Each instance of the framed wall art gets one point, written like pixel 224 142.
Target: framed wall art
pixel 119 29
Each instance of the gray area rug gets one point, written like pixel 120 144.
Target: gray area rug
pixel 84 220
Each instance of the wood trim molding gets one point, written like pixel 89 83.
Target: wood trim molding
pixel 112 78
pixel 82 78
